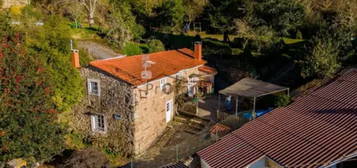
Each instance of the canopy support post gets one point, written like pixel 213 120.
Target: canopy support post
pixel 219 106
pixel 254 115
pixel 237 106
pixel 288 90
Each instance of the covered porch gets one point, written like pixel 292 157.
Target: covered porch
pixel 247 88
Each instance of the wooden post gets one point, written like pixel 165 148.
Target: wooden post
pixel 219 106
pixel 288 92
pixel 254 115
pixel 177 153
pixel 237 106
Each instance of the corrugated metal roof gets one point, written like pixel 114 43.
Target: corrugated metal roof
pixel 249 87
pixel 314 131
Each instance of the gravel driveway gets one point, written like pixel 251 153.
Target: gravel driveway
pixel 98 51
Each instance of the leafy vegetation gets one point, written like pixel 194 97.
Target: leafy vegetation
pixel 282 100
pixel 288 42
pixel 28 127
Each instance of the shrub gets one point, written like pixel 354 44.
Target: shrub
pixel 86 158
pixel 132 48
pixel 282 100
pixel 155 45
pixel 28 127
pixel 322 60
pixel 51 42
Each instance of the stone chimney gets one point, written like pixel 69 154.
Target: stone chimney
pixel 198 51
pixel 75 59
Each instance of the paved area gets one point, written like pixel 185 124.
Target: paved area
pixel 177 146
pixel 207 106
pixel 98 51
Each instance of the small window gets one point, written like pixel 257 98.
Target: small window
pixel 179 75
pixel 163 81
pixel 94 87
pixel 98 123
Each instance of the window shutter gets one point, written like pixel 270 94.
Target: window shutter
pixel 93 122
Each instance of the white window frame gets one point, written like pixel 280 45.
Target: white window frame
pixel 191 82
pixel 163 81
pixel 95 119
pixel 90 92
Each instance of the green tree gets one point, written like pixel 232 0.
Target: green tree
pixel 122 25
pixel 323 59
pixel 284 16
pixel 170 14
pixel 28 127
pixel 193 9
pixel 221 14
pixel 51 43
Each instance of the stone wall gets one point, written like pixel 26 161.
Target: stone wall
pixel 150 111
pixel 9 3
pixel 143 115
pixel 116 97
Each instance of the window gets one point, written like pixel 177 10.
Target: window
pixel 179 75
pixel 93 87
pixel 191 86
pixel 163 81
pixel 98 123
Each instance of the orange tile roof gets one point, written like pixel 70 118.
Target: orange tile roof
pixel 166 63
pixel 219 128
pixel 207 69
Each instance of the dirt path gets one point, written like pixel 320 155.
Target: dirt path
pixel 98 51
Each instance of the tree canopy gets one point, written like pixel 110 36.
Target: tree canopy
pixel 28 127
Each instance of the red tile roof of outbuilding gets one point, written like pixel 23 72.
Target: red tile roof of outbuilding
pixel 314 131
pixel 219 128
pixel 166 63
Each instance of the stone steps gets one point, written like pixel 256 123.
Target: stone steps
pixel 194 124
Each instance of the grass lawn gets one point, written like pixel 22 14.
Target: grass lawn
pixel 213 36
pixel 231 37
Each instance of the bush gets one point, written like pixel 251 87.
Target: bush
pixel 51 43
pixel 77 141
pixel 155 45
pixel 322 60
pixel 28 127
pixel 90 158
pixel 282 100
pixel 132 48
pixel 84 58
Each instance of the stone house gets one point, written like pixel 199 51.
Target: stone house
pixel 130 100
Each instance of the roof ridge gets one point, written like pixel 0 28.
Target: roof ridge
pixel 139 55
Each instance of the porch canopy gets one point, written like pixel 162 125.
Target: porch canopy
pixel 253 88
pixel 249 87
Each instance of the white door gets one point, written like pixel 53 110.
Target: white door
pixel 169 110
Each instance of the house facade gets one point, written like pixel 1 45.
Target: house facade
pixel 130 100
